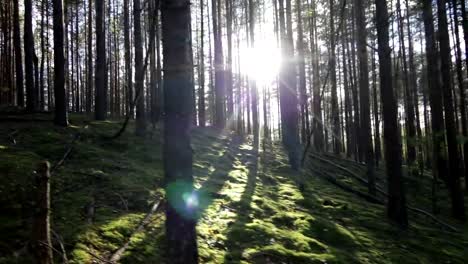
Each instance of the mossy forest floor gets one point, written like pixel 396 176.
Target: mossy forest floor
pixel 253 212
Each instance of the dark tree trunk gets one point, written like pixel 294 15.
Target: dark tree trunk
pixel 18 56
pixel 128 58
pixel 100 80
pixel 288 96
pixel 439 165
pixel 366 133
pixel 316 109
pixel 396 207
pixel 335 112
pixel 89 76
pixel 305 130
pixel 414 88
pixel 409 108
pixel 61 117
pixel 461 87
pixel 29 54
pixel 458 209
pixel 41 69
pixel 376 114
pixel 180 215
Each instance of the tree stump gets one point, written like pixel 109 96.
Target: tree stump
pixel 41 242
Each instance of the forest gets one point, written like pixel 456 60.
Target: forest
pixel 233 131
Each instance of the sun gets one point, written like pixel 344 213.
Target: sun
pixel 261 63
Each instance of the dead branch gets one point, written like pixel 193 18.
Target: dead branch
pixel 11 136
pixel 59 240
pixel 68 151
pixel 118 254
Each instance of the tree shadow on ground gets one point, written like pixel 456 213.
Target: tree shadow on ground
pixel 235 235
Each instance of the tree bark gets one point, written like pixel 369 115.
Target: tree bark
pixel 287 87
pixel 140 126
pixel 180 215
pixel 18 56
pixel 458 209
pixel 29 54
pixel 61 115
pixel 101 68
pixel 366 133
pixel 396 207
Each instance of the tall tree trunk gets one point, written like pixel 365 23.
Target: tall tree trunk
pixel 458 209
pixel 100 80
pixel 201 75
pixel 77 59
pixel 366 133
pixel 18 56
pixel 128 58
pixel 317 109
pixel 335 112
pixel 439 165
pixel 29 54
pixel 414 87
pixel 220 119
pixel 465 30
pixel 41 69
pixel 302 75
pixel 89 80
pixel 140 126
pixel 410 133
pixel 229 85
pixel 180 213
pixel 376 114
pixel 253 84
pixel 396 207
pixel 461 89
pixel 61 117
pixel 288 97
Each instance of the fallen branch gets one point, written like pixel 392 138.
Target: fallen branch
pixel 59 240
pixel 68 151
pixel 11 136
pixel 118 254
pixel 359 178
pixel 334 181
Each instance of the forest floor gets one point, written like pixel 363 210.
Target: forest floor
pixel 252 209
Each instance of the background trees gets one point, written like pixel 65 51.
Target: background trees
pixel 301 71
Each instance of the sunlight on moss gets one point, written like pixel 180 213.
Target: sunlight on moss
pixel 253 211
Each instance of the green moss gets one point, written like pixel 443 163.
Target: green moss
pixel 252 210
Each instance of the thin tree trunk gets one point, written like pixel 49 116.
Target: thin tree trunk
pixel 201 74
pixel 61 116
pixel 89 76
pixel 140 126
pixel 220 120
pixel 29 54
pixel 366 133
pixel 18 56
